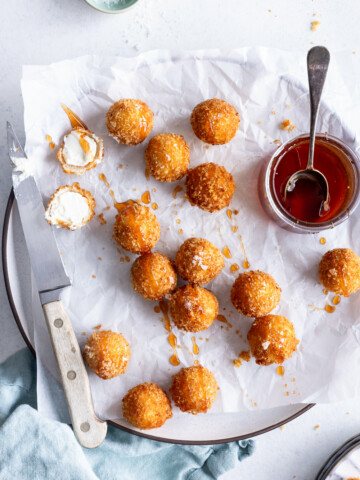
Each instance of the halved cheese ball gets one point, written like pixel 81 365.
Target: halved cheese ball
pixel 129 121
pixel 70 207
pixel 193 308
pixel 255 293
pixel 339 271
pixel 194 389
pixel 272 339
pixel 167 157
pixel 80 151
pixel 153 276
pixel 136 228
pixel 146 406
pixel 107 353
pixel 215 121
pixel 199 261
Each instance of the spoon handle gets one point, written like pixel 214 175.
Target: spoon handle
pixel 318 59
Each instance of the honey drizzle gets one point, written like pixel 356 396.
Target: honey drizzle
pixel 195 346
pixel 145 198
pixel 102 219
pixel 226 252
pixel 104 179
pixel 222 319
pixel 177 190
pixel 246 263
pixel 74 119
pixel 174 359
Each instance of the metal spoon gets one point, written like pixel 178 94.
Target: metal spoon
pixel 318 59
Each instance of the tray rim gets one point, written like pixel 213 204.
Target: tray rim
pixel 4 245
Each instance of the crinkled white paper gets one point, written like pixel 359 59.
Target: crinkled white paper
pixel 266 87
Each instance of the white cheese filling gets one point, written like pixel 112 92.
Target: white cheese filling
pixel 79 149
pixel 69 208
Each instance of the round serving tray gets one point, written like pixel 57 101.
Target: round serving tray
pixel 191 430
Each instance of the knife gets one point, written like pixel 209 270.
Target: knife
pixel 51 280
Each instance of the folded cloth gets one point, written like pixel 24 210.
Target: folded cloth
pixel 33 447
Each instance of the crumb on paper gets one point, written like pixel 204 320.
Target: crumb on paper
pixel 277 141
pixel 314 25
pixel 245 355
pixel 274 112
pixel 316 427
pixel 97 327
pixel 288 125
pixel 282 427
pixel 93 276
pixel 288 106
pixel 237 362
pixel 83 333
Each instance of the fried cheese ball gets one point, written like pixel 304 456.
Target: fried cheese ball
pixel 210 187
pixel 153 276
pixel 129 121
pixel 215 121
pixel 136 228
pixel 255 293
pixel 146 406
pixel 193 308
pixel 339 271
pixel 107 353
pixel 198 261
pixel 272 339
pixel 193 389
pixel 167 157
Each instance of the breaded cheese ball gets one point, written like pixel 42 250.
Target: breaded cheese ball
pixel 167 157
pixel 210 187
pixel 215 121
pixel 339 271
pixel 198 261
pixel 193 308
pixel 129 121
pixel 255 293
pixel 194 389
pixel 136 228
pixel 153 276
pixel 272 339
pixel 146 406
pixel 107 353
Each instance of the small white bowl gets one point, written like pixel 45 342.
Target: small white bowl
pixel 114 6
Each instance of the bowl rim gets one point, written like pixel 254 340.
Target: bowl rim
pixel 118 10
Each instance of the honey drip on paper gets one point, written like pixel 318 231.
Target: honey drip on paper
pixel 52 145
pixel 246 263
pixel 102 219
pixel 325 291
pixel 336 300
pixel 145 198
pixel 234 268
pixel 74 119
pixel 104 179
pixel 235 228
pixel 322 240
pixel 195 346
pixel 48 138
pixel 174 359
pixel 157 309
pixel 147 174
pixel 329 308
pixel 177 190
pixel 222 319
pixel 226 252
pixel 154 206
pixel 229 213
pixel 280 370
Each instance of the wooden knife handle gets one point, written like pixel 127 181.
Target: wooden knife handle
pixel 89 430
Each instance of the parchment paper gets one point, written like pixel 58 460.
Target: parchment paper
pixel 266 87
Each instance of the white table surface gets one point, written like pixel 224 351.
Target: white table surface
pixel 40 32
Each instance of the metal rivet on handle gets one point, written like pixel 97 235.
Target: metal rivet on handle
pixel 71 375
pixel 58 323
pixel 85 427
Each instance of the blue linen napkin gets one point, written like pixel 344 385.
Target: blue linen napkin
pixel 36 448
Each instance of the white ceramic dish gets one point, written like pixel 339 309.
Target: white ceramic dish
pixel 118 6
pixel 188 429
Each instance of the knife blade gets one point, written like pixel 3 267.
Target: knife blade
pixel 51 279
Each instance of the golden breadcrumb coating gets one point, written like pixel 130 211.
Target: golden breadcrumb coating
pixel 107 353
pixel 129 121
pixel 215 121
pixel 210 187
pixel 136 228
pixel 272 339
pixel 96 159
pixel 194 389
pixel 339 271
pixel 167 157
pixel 199 261
pixel 75 188
pixel 255 293
pixel 153 276
pixel 193 308
pixel 146 406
